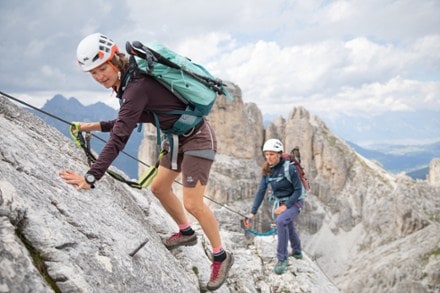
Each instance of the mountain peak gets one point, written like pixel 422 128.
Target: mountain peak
pixel 60 101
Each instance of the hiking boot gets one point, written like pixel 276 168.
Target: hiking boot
pixel 178 239
pixel 220 271
pixel 281 266
pixel 297 254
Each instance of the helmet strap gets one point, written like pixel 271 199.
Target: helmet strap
pixel 115 68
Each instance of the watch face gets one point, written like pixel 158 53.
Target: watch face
pixel 90 179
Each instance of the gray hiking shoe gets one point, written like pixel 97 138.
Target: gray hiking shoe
pixel 219 272
pixel 178 239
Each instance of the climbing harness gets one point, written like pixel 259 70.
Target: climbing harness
pixel 277 201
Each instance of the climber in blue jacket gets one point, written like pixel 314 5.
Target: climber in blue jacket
pixel 288 202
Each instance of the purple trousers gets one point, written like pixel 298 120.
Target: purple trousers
pixel 286 231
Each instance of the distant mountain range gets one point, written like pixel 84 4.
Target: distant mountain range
pixel 413 160
pixel 396 158
pixel 72 110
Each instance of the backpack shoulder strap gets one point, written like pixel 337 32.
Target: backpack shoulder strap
pixel 301 174
pixel 287 171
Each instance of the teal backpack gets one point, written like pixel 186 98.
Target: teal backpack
pixel 188 81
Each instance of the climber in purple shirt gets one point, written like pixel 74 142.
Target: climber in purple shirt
pixel 100 56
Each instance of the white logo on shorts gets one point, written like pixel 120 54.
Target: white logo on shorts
pixel 189 179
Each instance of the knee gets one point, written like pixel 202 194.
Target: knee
pixel 194 209
pixel 157 190
pixel 279 221
pixel 282 221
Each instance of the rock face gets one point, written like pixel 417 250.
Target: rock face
pixel 54 238
pixel 239 127
pixel 434 172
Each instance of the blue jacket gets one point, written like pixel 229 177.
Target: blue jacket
pixel 280 185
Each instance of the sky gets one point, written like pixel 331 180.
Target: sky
pixel 360 57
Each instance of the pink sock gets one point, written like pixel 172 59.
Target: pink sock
pixel 184 226
pixel 217 250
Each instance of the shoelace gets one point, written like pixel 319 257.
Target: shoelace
pixel 175 236
pixel 215 269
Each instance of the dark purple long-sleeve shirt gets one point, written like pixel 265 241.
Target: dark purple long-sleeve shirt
pixel 141 93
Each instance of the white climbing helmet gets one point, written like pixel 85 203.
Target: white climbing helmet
pixel 274 145
pixel 95 50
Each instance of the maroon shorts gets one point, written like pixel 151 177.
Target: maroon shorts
pixel 194 168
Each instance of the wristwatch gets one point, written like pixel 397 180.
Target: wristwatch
pixel 90 179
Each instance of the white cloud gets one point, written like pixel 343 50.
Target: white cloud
pixel 372 99
pixel 340 11
pixel 206 47
pixel 347 56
